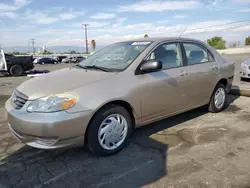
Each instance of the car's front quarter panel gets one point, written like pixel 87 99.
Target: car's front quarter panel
pixel 121 87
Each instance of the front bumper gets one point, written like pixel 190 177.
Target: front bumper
pixel 47 130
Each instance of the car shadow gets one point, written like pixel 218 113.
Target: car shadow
pixel 230 107
pixel 143 161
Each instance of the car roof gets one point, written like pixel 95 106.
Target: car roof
pixel 161 39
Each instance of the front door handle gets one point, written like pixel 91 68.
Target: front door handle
pixel 214 68
pixel 183 73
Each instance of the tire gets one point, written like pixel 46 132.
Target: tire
pixel 16 70
pixel 42 63
pixel 213 107
pixel 93 132
pixel 244 79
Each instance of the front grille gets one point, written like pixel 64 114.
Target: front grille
pixel 18 99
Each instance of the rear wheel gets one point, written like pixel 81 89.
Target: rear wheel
pixel 109 130
pixel 218 100
pixel 16 70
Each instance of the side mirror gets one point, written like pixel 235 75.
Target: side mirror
pixel 151 66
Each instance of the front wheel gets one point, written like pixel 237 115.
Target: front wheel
pixel 109 130
pixel 218 100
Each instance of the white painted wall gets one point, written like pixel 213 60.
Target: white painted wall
pixel 245 50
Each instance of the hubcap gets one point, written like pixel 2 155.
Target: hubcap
pixel 112 132
pixel 16 70
pixel 219 98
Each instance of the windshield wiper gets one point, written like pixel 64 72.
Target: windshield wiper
pixel 95 67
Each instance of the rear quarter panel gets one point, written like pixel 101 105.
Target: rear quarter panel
pixel 25 61
pixel 226 66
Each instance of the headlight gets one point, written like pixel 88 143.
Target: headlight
pixel 244 65
pixel 53 103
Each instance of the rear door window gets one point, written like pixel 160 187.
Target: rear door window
pixel 196 54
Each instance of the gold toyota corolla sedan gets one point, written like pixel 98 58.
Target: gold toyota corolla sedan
pixel 101 100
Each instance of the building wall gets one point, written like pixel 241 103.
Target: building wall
pixel 245 50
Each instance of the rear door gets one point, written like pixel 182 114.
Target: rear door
pixel 203 72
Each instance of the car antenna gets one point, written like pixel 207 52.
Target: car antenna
pixel 183 32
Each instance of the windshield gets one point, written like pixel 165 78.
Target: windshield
pixel 117 56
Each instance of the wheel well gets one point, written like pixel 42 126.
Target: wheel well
pixel 122 103
pixel 125 105
pixel 223 81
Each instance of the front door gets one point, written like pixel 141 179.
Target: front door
pixel 164 92
pixel 203 71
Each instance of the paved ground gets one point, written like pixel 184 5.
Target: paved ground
pixel 194 149
pixel 8 84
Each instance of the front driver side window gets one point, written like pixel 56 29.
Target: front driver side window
pixel 168 54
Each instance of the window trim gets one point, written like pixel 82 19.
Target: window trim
pixel 201 46
pixel 178 42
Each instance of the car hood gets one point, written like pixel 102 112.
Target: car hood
pixel 247 61
pixel 60 81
